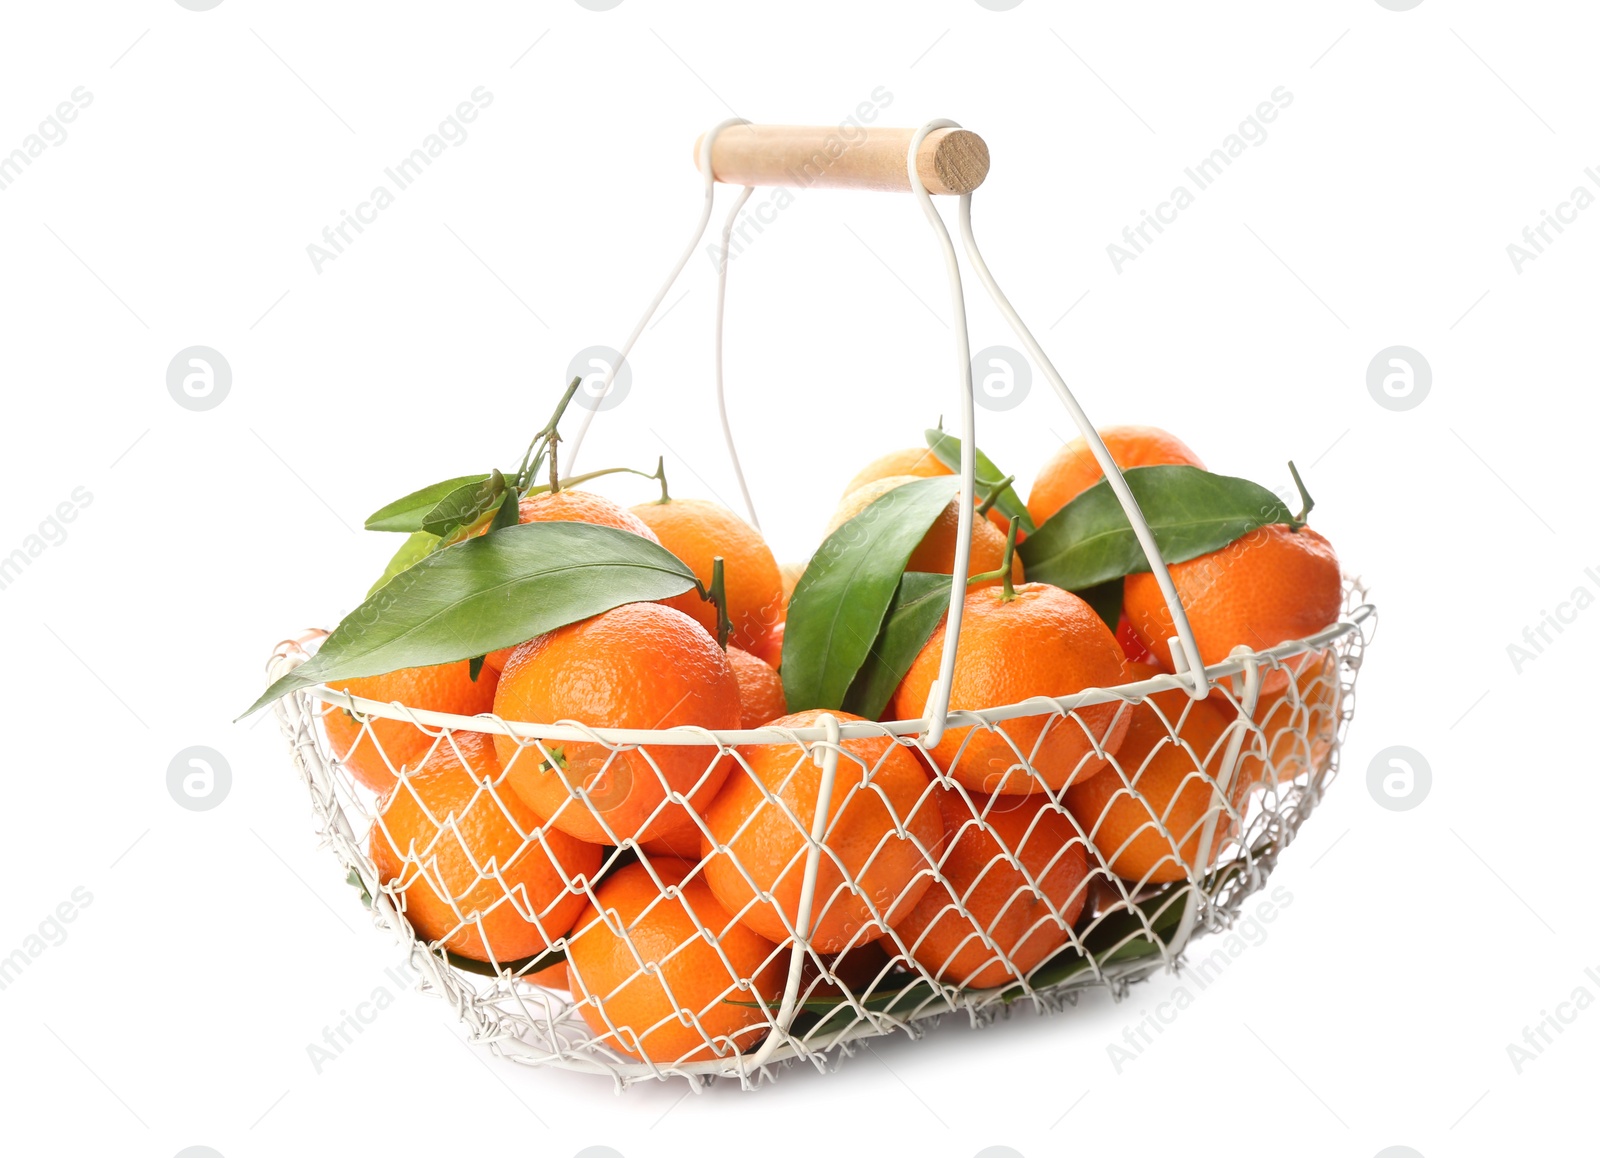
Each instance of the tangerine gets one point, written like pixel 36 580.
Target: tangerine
pixel 1274 584
pixel 1299 725
pixel 1073 469
pixel 373 753
pixel 571 506
pixel 641 665
pixel 760 832
pixel 1147 814
pixel 760 689
pixel 1013 870
pixel 697 532
pixel 1042 641
pixel 936 553
pixel 467 861
pixel 661 971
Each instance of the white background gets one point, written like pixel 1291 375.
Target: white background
pixel 219 944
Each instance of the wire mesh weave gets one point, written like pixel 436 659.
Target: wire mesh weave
pixel 1023 899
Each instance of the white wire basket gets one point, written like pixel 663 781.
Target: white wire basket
pixel 964 903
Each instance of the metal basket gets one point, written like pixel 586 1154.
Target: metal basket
pixel 1287 708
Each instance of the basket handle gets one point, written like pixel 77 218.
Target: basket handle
pixel 1185 650
pixel 1183 647
pixel 787 155
pixel 949 160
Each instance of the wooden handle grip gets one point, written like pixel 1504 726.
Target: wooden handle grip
pixel 949 161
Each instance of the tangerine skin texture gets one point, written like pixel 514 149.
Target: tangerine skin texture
pixel 1164 787
pixel 1272 585
pixel 571 506
pixel 697 532
pixel 576 506
pixel 888 869
pixel 446 833
pixel 447 687
pixel 1073 469
pixel 915 461
pixel 667 1013
pixel 1044 642
pixel 641 665
pixel 986 840
pixel 936 553
pixel 918 462
pixel 761 695
pixel 680 843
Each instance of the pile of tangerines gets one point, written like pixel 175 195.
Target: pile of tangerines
pixel 661 886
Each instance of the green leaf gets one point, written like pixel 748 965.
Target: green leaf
pixel 491 592
pixel 919 604
pixel 840 601
pixel 902 1002
pixel 947 449
pixel 465 505
pixel 418 545
pixel 509 511
pixel 1106 599
pixel 407 514
pixel 1190 511
pixel 464 531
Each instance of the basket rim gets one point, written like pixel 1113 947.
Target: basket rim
pixel 292 653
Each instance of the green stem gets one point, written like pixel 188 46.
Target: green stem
pixel 534 456
pixel 995 492
pixel 718 595
pixel 573 480
pixel 1003 573
pixel 1007 592
pixel 1306 501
